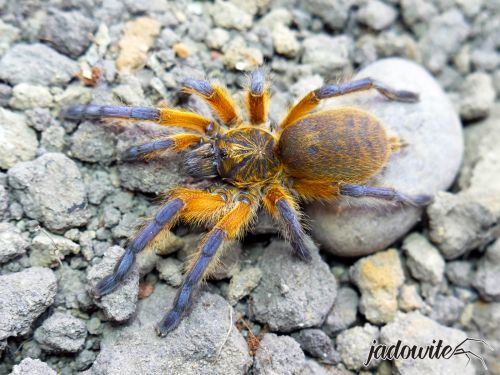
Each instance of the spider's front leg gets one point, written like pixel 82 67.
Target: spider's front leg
pixel 182 202
pixel 232 224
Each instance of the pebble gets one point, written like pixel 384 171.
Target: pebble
pixel 19 142
pixel 278 355
pixel 68 32
pixel 29 366
pixel 227 15
pixel 333 13
pixel 285 42
pixel 36 64
pixel 39 118
pixel 242 283
pixel 415 329
pixel 354 345
pixel 205 342
pixel 409 299
pixel 477 95
pixel 317 344
pixel 344 311
pixel 349 227
pixel 51 190
pixel 48 250
pixel 217 38
pixel 71 284
pixel 119 305
pixel 170 270
pixel 138 37
pixel 486 277
pixel 377 15
pixel 52 139
pixel 12 243
pixel 424 260
pixel 378 277
pixel 292 294
pixel 61 333
pixel 93 142
pixel 327 61
pixel 446 309
pixel 8 35
pixel 27 96
pixel 459 273
pixel 24 296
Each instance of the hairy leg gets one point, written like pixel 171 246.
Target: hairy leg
pixel 257 97
pixel 384 193
pixel 311 100
pixel 176 143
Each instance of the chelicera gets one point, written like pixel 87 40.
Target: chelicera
pixel 309 155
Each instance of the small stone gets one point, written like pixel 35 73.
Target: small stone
pixel 206 334
pixel 4 203
pixel 72 282
pixel 36 64
pixel 327 55
pixel 73 94
pixel 242 283
pixel 93 143
pixel 486 279
pixel 459 272
pixel 182 50
pixel 344 311
pixel 12 244
pixel 48 250
pixel 24 296
pixel 409 299
pixel 51 191
pixel 8 35
pixel 237 55
pixel 477 95
pixel 99 186
pixel 433 132
pixel 354 345
pixel 138 37
pixel 68 32
pixel 424 260
pixel 19 142
pixel 446 309
pixel 317 344
pixel 292 294
pixel 415 329
pixel 27 96
pixel 284 41
pixel 377 15
pixel 119 305
pixel 39 118
pixel 53 139
pixel 278 355
pixel 170 270
pixel 61 333
pixel 228 16
pixel 378 277
pixel 217 38
pixel 333 13
pixel 29 366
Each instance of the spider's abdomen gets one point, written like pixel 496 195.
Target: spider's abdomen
pixel 344 144
pixel 246 156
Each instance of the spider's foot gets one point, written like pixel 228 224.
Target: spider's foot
pixel 105 286
pixel 168 323
pixel 418 200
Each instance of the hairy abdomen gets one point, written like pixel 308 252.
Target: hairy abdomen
pixel 344 144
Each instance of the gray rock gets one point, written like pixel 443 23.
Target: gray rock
pixel 61 333
pixel 486 317
pixel 4 202
pixel 53 139
pixel 93 142
pixel 354 345
pixel 29 366
pixel 477 95
pixel 423 259
pixel 242 283
pixel 71 284
pixel 150 176
pixel 51 191
pixel 284 41
pixel 68 32
pixel 48 250
pixel 19 142
pixel 292 294
pixel 333 13
pixel 205 342
pixel 5 94
pixel 229 16
pixel 36 64
pixel 99 185
pixel 446 309
pixel 317 344
pixel 350 228
pixel 12 244
pixel 217 38
pixel 344 311
pixel 486 279
pixel 459 272
pixel 377 15
pixel 119 305
pixel 378 277
pixel 170 270
pixel 8 35
pixel 278 355
pixel 27 96
pixel 417 12
pixel 327 55
pixel 409 299
pixel 24 296
pixel 39 118
pixel 416 329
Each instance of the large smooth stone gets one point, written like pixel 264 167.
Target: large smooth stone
pixel 429 163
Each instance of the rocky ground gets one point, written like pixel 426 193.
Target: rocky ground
pixel 68 203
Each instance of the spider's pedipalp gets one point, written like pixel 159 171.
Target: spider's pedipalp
pixel 257 97
pixel 216 97
pixel 178 142
pixel 227 228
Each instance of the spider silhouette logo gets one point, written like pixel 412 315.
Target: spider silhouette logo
pixel 468 353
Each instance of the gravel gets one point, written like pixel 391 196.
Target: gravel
pixel 486 276
pixel 344 312
pixel 62 333
pixel 30 366
pixel 12 243
pixel 278 355
pixel 354 343
pixel 424 260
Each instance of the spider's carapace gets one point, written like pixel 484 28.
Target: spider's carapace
pixel 308 156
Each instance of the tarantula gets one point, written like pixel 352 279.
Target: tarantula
pixel 308 156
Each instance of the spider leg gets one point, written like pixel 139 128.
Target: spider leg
pixel 257 97
pixel 216 97
pixel 384 193
pixel 162 116
pixel 228 227
pixel 312 99
pixel 283 207
pixel 176 143
pixel 181 201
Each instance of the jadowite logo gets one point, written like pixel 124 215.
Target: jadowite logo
pixel 436 350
